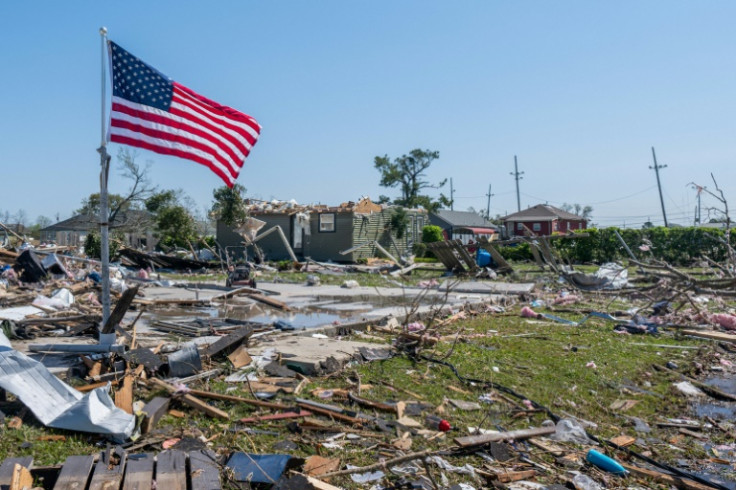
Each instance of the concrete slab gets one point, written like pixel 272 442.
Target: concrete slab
pixel 487 287
pixel 307 354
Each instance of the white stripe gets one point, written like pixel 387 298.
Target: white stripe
pixel 208 109
pixel 180 120
pixel 238 135
pixel 176 132
pixel 174 146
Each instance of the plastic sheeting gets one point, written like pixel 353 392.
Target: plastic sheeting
pixel 56 404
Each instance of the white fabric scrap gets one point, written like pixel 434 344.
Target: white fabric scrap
pixel 55 403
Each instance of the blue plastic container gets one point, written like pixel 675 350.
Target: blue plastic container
pixel 605 463
pixel 482 258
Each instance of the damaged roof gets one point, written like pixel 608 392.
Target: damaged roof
pixel 542 212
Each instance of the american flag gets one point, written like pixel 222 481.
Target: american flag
pixel 151 111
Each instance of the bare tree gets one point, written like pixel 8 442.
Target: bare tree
pixel 720 197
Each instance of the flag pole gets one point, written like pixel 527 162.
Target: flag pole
pixel 104 173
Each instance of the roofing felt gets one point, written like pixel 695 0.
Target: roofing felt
pixel 463 218
pixel 542 212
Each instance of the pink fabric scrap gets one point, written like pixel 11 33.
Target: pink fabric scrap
pixel 724 320
pixel 527 312
pixel 591 365
pixel 415 327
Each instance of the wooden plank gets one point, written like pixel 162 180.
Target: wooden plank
pixel 665 478
pixel 204 473
pixel 238 399
pixel 171 470
pixel 723 337
pixel 139 472
pixel 109 469
pixel 276 416
pixel 501 264
pixel 120 308
pixel 229 343
pixel 124 395
pixel 7 467
pixel 192 401
pixel 21 479
pixel 470 441
pixel 153 411
pixel 75 473
pixel 464 255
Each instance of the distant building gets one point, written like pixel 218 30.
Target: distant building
pixel 543 219
pixel 322 232
pixel 136 226
pixel 462 225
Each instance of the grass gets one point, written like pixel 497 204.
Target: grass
pixel 543 361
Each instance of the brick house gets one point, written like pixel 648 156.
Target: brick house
pixel 543 219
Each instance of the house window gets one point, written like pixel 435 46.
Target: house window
pixel 519 226
pixel 554 226
pixel 537 227
pixel 327 222
pixel 569 226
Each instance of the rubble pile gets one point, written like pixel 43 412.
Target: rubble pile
pixel 208 381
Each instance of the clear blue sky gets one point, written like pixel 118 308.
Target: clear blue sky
pixel 579 90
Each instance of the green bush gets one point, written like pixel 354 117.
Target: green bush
pixel 93 243
pixel 431 234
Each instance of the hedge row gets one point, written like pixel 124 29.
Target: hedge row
pixel 677 246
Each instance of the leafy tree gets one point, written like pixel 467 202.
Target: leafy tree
pixel 408 173
pixel 161 200
pixel 93 243
pixel 91 204
pixel 580 210
pixel 229 206
pixel 175 226
pixel 398 221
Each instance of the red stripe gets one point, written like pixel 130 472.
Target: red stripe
pixel 212 126
pixel 226 136
pixel 183 97
pixel 170 151
pixel 226 111
pixel 180 127
pixel 175 138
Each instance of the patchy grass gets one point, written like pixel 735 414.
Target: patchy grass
pixel 542 361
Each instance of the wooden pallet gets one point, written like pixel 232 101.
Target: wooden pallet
pixel 116 470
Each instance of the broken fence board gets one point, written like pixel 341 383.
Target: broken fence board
pixel 108 476
pixel 171 470
pixel 204 471
pixel 723 337
pixel 75 473
pixel 153 411
pixel 7 467
pixel 139 472
pixel 470 441
pixel 229 343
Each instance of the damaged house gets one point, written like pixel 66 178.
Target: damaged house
pixel 344 233
pixel 543 219
pixel 136 226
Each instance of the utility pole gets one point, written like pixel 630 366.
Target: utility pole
pixel 517 176
pixel 659 185
pixel 452 196
pixel 488 206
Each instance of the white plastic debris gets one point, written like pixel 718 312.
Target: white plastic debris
pixel 55 403
pixel 688 389
pixel 569 430
pixel 584 482
pixel 366 477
